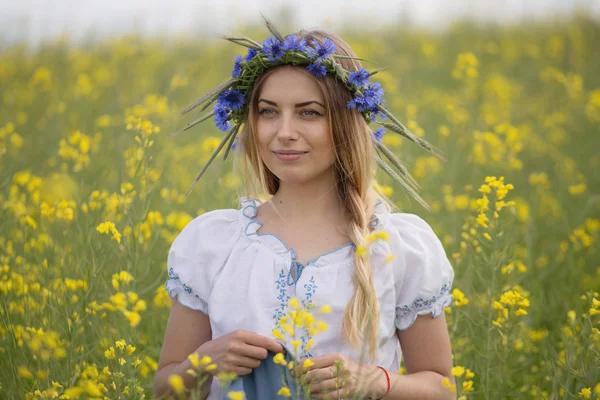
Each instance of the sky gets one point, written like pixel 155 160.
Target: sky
pixel 34 21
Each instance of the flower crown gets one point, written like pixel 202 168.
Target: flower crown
pixel 230 98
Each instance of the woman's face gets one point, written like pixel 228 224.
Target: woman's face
pixel 293 132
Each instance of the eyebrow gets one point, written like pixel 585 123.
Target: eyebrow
pixel 296 105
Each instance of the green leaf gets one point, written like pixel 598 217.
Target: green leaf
pixel 231 140
pixel 398 164
pixel 401 182
pixel 399 128
pixel 350 58
pixel 193 123
pixel 376 71
pixel 243 41
pixel 218 90
pixel 272 28
pixel 210 160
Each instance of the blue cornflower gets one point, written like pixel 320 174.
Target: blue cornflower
pixel 359 78
pixel 237 68
pixel 232 99
pixel 379 134
pixel 221 117
pixel 317 70
pixel 273 48
pixel 250 55
pixel 357 102
pixel 373 94
pixel 293 43
pixel 322 51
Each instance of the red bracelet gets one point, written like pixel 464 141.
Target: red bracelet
pixel 387 376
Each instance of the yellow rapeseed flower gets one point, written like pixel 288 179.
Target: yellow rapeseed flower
pixel 288 329
pixel 446 383
pixel 585 393
pixel 176 382
pixel 194 359
pixel 459 298
pixel 309 344
pixel 467 386
pixel 293 302
pixel 24 372
pixel 110 353
pixel 277 334
pixel 279 359
pixel 285 392
pixel 325 309
pixel 205 360
pixel 239 395
pixel 307 364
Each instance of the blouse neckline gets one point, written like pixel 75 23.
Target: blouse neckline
pixel 343 255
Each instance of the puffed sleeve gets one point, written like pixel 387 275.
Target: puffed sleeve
pixel 422 272
pixel 198 255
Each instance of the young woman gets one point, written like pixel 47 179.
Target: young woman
pixel 233 271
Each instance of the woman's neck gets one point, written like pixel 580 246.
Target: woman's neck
pixel 308 202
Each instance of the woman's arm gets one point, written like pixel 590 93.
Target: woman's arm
pixel 428 359
pixel 186 330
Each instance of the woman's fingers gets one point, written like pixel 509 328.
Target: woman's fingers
pixel 326 386
pixel 251 351
pixel 321 374
pixel 243 361
pixel 264 342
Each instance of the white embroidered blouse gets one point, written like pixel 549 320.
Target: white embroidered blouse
pixel 242 279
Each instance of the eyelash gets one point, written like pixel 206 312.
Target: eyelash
pixel 262 112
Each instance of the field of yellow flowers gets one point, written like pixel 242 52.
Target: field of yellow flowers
pixel 92 193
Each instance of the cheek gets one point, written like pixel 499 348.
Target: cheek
pixel 322 142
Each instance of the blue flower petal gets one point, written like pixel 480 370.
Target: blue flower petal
pixel 250 55
pixel 317 70
pixel 359 78
pixel 273 48
pixel 232 99
pixel 379 134
pixel 237 68
pixel 221 117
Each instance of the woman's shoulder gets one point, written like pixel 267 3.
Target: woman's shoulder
pixel 401 223
pixel 407 229
pixel 211 230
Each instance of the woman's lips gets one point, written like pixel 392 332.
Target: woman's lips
pixel 289 156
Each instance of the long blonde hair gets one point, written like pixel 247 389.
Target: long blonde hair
pixel 354 169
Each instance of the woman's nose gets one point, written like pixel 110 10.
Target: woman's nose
pixel 287 128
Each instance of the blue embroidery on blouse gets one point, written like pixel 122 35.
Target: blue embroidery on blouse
pixel 311 288
pixel 174 277
pixel 283 297
pixel 297 269
pixel 420 303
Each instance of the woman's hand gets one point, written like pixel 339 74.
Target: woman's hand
pixel 239 351
pixel 335 376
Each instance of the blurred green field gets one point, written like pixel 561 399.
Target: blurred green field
pixel 92 195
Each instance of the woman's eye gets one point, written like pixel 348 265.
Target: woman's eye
pixel 263 111
pixel 312 112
